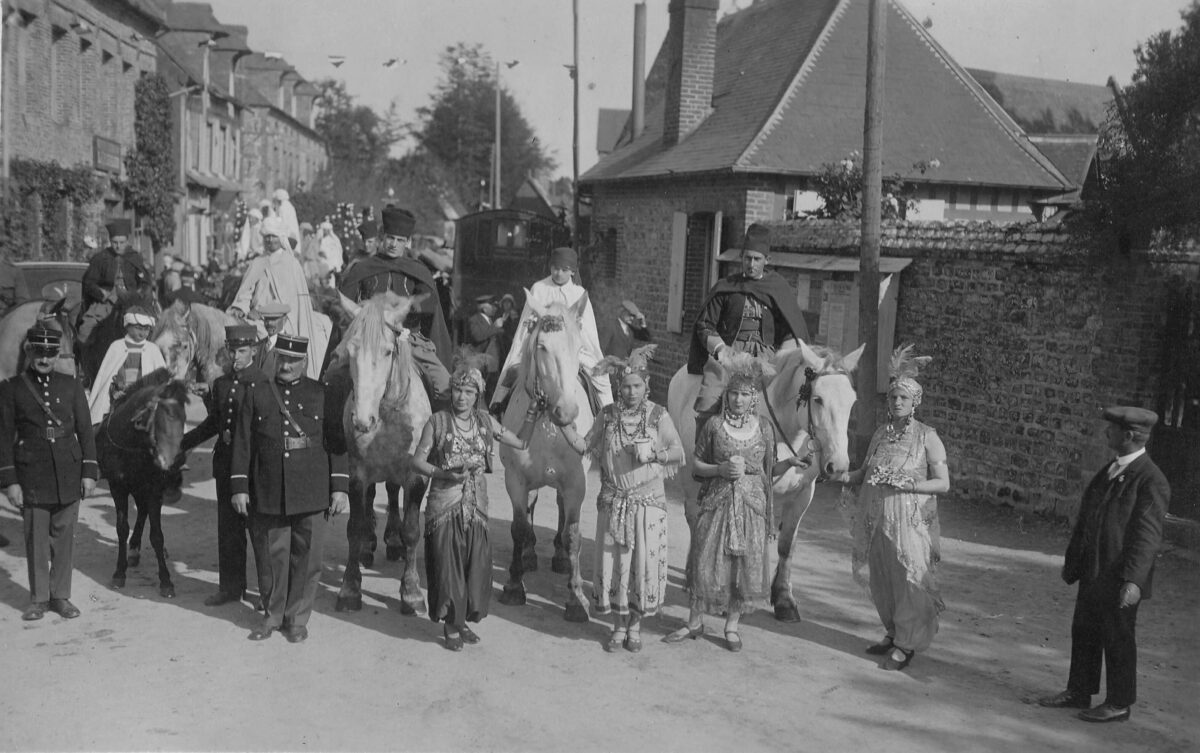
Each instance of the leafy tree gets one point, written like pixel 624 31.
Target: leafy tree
pixel 357 137
pixel 1150 177
pixel 458 126
pixel 839 184
pixel 150 189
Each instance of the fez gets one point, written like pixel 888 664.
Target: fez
pixel 291 345
pixel 564 257
pixel 119 227
pixel 398 222
pixel 367 229
pixel 758 238
pixel 237 335
pixel 1130 418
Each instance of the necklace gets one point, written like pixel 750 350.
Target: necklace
pixel 470 423
pixel 737 421
pixel 632 423
pixel 894 433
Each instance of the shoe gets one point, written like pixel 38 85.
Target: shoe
pixel 733 641
pixel 35 611
pixel 220 597
pixel 615 640
pixel 881 648
pixel 453 642
pixel 633 643
pixel 683 633
pixel 1068 699
pixel 65 608
pixel 468 635
pixel 898 659
pixel 297 634
pixel 262 633
pixel 1106 712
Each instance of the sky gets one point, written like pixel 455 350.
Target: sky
pixel 1076 40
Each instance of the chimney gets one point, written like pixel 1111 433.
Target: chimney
pixel 639 69
pixel 692 54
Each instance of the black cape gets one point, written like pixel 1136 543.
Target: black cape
pixel 771 290
pixel 370 275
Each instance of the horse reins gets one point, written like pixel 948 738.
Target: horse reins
pixel 803 397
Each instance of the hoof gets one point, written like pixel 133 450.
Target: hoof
pixel 409 610
pixel 167 591
pixel 394 552
pixel 787 612
pixel 576 613
pixel 561 565
pixel 367 559
pixel 118 581
pixel 348 604
pixel 513 597
pixel 134 558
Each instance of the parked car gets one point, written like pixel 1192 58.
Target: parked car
pixel 51 280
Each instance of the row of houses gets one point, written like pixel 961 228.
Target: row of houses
pixel 242 120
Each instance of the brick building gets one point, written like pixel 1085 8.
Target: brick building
pixel 70 67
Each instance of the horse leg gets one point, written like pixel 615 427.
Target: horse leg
pixel 572 496
pixel 529 561
pixel 521 529
pixel 121 501
pixel 561 563
pixel 781 586
pixel 135 540
pixel 349 597
pixel 411 600
pixel 166 588
pixel 366 533
pixel 393 530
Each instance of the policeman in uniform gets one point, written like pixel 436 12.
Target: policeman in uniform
pixel 111 274
pixel 224 401
pixel 47 464
pixel 298 482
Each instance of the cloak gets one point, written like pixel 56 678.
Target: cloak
pixel 366 276
pixel 771 290
pixel 114 359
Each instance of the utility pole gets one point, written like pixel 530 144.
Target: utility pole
pixel 575 123
pixel 496 147
pixel 872 216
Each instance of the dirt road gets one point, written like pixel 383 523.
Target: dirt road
pixel 137 672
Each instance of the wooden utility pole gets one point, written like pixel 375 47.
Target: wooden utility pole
pixel 575 125
pixel 872 216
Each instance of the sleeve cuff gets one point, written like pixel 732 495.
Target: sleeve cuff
pixel 339 482
pixel 239 484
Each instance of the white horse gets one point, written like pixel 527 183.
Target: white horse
pixel 808 404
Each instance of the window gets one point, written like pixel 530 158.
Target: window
pixel 58 107
pixel 224 163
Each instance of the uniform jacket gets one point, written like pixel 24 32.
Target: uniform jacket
pixel 484 337
pixel 721 314
pixel 224 401
pixel 286 481
pixel 101 274
pixel 365 277
pixel 615 341
pixel 1119 529
pixel 49 471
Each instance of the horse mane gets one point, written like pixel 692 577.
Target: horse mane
pixel 370 326
pixel 209 327
pixel 553 312
pixel 154 379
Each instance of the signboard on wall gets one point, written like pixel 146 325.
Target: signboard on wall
pixel 106 155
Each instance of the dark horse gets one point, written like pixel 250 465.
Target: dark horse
pixel 136 445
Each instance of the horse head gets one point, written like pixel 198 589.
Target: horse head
pixel 380 354
pixel 159 407
pixel 174 338
pixel 550 363
pixel 814 386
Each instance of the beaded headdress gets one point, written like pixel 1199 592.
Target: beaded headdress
pixel 468 369
pixel 637 363
pixel 903 369
pixel 744 370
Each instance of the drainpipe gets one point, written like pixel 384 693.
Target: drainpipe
pixel 639 69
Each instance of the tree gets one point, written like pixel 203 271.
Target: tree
pixel 150 189
pixel 839 184
pixel 357 137
pixel 1150 174
pixel 458 126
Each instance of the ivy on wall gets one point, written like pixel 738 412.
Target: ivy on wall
pixel 45 213
pixel 150 187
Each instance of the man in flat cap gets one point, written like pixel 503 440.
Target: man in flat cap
pixel 559 287
pixel 47 464
pixel 273 315
pixel 620 333
pixel 277 276
pixel 1111 555
pixel 223 402
pixel 115 277
pixel 485 330
pixel 752 311
pixel 282 434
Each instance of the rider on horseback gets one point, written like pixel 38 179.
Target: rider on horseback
pixel 112 275
pixel 126 361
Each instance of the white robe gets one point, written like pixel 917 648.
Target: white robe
pixel 331 252
pixel 287 214
pixel 114 360
pixel 279 277
pixel 543 293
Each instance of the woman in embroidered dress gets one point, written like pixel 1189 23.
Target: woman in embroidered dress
pixel 729 564
pixel 636 446
pixel 894 525
pixel 455 451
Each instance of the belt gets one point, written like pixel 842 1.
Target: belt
pixel 50 432
pixel 298 443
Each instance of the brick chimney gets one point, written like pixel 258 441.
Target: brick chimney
pixel 692 55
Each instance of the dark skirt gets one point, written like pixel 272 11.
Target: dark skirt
pixel 458 569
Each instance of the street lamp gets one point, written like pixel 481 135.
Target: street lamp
pixel 496 148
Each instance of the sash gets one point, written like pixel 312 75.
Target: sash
pixel 283 409
pixel 42 403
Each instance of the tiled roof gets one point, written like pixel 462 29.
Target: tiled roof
pixel 788 97
pixel 900 238
pixel 191 17
pixel 1072 154
pixel 1041 105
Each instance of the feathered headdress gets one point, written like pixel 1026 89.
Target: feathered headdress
pixel 742 369
pixel 469 367
pixel 903 369
pixel 637 363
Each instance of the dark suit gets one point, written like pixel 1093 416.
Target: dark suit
pixel 483 336
pixel 293 475
pixel 615 341
pixel 103 269
pixel 224 401
pixel 1115 541
pixel 49 458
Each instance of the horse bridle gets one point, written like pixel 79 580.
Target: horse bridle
pixel 537 325
pixel 803 398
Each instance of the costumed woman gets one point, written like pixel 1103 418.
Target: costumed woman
pixel 127 360
pixel 894 523
pixel 637 447
pixel 455 451
pixel 729 563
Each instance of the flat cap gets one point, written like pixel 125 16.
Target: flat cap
pixel 1131 418
pixel 273 310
